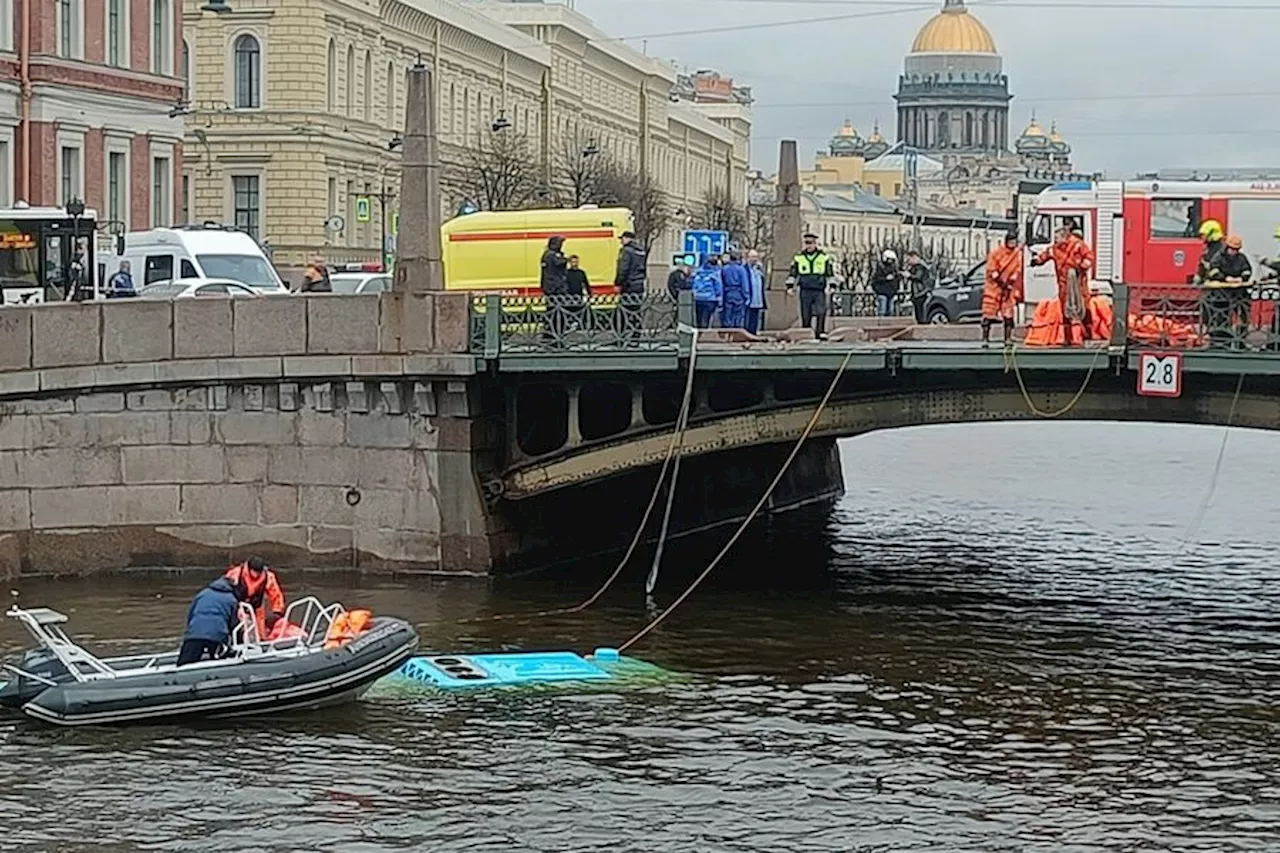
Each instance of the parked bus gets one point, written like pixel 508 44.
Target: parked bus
pixel 43 250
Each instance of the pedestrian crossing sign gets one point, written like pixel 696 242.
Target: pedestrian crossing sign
pixel 362 209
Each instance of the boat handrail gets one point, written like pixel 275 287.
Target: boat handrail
pixel 45 626
pixel 313 619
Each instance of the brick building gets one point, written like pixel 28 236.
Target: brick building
pixel 86 93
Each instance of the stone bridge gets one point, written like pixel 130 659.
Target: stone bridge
pixel 422 432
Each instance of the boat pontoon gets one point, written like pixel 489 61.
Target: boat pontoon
pixel 62 683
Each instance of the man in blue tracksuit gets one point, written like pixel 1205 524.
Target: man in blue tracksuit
pixel 210 620
pixel 708 291
pixel 737 293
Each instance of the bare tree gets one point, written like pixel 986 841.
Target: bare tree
pixel 624 186
pixel 500 173
pixel 577 168
pixel 759 228
pixel 721 213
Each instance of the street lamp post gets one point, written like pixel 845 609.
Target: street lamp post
pixel 75 209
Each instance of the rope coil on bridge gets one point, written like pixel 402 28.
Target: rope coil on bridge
pixel 1011 363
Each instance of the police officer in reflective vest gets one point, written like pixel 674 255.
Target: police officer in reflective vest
pixel 812 271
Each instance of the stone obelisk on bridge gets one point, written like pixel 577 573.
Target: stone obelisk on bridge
pixel 783 310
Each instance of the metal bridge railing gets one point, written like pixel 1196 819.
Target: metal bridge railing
pixel 569 324
pixel 1240 318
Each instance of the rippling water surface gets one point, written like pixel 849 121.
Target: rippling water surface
pixel 979 649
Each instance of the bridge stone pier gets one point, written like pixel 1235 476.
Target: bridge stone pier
pixel 320 430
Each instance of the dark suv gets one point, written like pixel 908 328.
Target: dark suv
pixel 957 298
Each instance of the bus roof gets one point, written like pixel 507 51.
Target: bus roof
pixel 23 211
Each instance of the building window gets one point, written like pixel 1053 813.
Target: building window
pixel 368 86
pixel 161 197
pixel 350 226
pixel 391 96
pixel 186 199
pixel 161 31
pixel 69 180
pixel 6 24
pixel 244 190
pixel 116 18
pixel 248 73
pixel 117 185
pixel 6 173
pixel 351 80
pixel 332 76
pixel 69 29
pixel 186 70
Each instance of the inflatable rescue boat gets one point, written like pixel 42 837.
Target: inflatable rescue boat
pixel 325 657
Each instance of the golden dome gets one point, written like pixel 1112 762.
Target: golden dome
pixel 953 30
pixel 847 130
pixel 875 136
pixel 1034 129
pixel 1054 136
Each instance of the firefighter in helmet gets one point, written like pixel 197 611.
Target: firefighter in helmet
pixel 1227 295
pixel 1213 236
pixel 1272 265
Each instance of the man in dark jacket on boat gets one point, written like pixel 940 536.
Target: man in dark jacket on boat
pixel 210 621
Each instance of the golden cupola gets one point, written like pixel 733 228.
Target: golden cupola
pixel 953 30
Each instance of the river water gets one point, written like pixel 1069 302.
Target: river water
pixel 974 651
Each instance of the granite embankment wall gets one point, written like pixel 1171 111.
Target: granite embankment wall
pixel 317 430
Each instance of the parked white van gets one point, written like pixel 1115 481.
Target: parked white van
pixel 196 251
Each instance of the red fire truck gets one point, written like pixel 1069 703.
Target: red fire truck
pixel 1145 233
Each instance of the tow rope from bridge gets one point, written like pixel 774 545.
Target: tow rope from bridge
pixel 674 449
pixel 1193 527
pixel 1011 363
pixel 737 534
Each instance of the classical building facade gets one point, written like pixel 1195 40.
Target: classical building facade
pixel 295 112
pixel 86 92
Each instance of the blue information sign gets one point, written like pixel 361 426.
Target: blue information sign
pixel 706 242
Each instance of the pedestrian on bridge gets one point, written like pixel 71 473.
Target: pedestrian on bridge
pixel 756 305
pixel 737 293
pixel 1003 287
pixel 708 291
pixel 813 272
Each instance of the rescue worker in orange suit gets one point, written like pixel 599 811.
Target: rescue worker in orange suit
pixel 261 589
pixel 1003 288
pixel 1070 254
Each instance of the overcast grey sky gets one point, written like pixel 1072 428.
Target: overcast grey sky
pixel 1131 83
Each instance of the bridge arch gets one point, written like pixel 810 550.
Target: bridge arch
pixel 938 399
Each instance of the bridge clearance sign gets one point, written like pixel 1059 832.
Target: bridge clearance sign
pixel 1160 374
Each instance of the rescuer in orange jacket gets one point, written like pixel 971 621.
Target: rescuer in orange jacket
pixel 261 589
pixel 1003 287
pixel 1070 254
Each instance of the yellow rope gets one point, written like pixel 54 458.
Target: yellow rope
pixel 1011 363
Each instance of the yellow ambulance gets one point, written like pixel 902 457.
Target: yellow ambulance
pixel 501 251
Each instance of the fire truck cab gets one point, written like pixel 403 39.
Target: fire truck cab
pixel 1147 232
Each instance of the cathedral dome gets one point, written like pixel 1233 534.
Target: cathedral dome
pixel 953 30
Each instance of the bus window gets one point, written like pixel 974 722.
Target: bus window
pixel 158 268
pixel 1175 218
pixel 19 257
pixel 187 269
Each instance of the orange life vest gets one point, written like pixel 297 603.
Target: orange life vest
pixel 347 627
